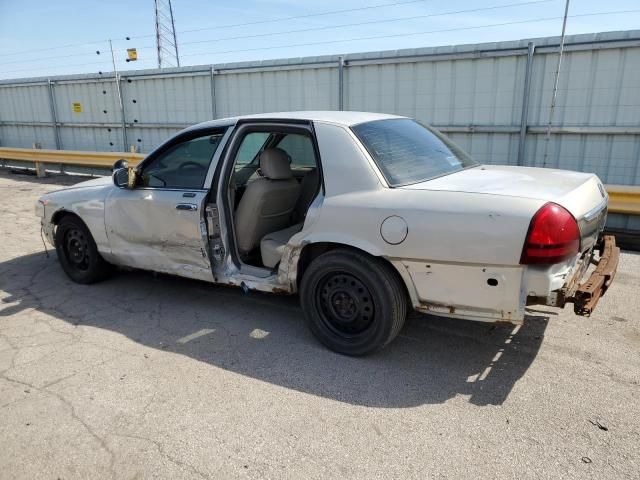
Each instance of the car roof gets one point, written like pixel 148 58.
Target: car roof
pixel 328 116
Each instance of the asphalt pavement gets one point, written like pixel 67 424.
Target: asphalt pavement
pixel 152 376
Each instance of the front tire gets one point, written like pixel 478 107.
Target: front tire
pixel 78 253
pixel 353 303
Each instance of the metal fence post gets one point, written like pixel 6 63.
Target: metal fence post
pixel 341 83
pixel 120 99
pixel 213 93
pixel 54 115
pixel 120 85
pixel 525 102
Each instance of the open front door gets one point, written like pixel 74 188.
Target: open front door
pixel 161 224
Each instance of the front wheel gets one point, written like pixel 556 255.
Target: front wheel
pixel 78 253
pixel 353 303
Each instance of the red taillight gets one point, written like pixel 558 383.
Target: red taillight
pixel 553 236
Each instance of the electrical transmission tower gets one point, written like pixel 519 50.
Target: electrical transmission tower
pixel 166 41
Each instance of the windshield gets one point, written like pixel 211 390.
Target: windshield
pixel 407 152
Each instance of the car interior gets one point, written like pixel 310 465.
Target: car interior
pixel 275 178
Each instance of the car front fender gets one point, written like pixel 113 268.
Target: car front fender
pixel 87 203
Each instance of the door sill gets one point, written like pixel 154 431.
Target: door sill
pixel 258 272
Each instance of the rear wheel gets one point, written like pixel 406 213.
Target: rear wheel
pixel 355 304
pixel 78 253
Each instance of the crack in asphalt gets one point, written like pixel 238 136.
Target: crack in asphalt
pixel 166 455
pixel 29 291
pixel 75 416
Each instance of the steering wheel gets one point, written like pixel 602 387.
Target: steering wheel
pixel 191 164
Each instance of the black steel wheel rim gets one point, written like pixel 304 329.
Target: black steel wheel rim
pixel 345 304
pixel 76 249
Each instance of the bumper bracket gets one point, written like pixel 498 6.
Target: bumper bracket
pixel 588 293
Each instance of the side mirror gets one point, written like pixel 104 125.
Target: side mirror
pixel 121 177
pixel 124 176
pixel 122 163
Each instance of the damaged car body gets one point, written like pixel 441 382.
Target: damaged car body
pixel 363 215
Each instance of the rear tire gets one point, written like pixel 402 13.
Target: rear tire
pixel 353 303
pixel 78 253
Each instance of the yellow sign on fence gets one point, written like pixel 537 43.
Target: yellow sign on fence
pixel 77 107
pixel 133 54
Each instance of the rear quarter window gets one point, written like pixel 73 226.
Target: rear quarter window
pixel 407 152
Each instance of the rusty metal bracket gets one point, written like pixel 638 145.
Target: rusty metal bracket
pixel 588 294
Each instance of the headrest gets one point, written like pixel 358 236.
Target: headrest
pixel 275 164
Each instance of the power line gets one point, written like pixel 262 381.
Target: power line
pixel 331 12
pixel 69 45
pixel 296 17
pixel 54 67
pixel 326 27
pixel 51 58
pixel 397 35
pixel 66 65
pixel 518 22
pixel 372 22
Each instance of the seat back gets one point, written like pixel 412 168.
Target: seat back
pixel 268 202
pixel 308 190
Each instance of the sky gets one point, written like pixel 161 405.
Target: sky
pixel 46 38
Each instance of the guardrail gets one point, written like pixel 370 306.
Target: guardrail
pixel 622 199
pixel 69 157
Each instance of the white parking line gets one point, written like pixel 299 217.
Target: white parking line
pixel 198 334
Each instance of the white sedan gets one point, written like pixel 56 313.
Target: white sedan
pixel 364 215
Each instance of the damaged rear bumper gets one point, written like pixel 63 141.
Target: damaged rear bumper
pixel 588 294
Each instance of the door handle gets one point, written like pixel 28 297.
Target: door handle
pixel 192 207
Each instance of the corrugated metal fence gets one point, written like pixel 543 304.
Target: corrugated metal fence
pixel 475 93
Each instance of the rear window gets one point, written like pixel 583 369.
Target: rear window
pixel 407 152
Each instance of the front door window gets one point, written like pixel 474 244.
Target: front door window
pixel 184 165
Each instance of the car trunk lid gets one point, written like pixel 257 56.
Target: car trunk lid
pixel 580 193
